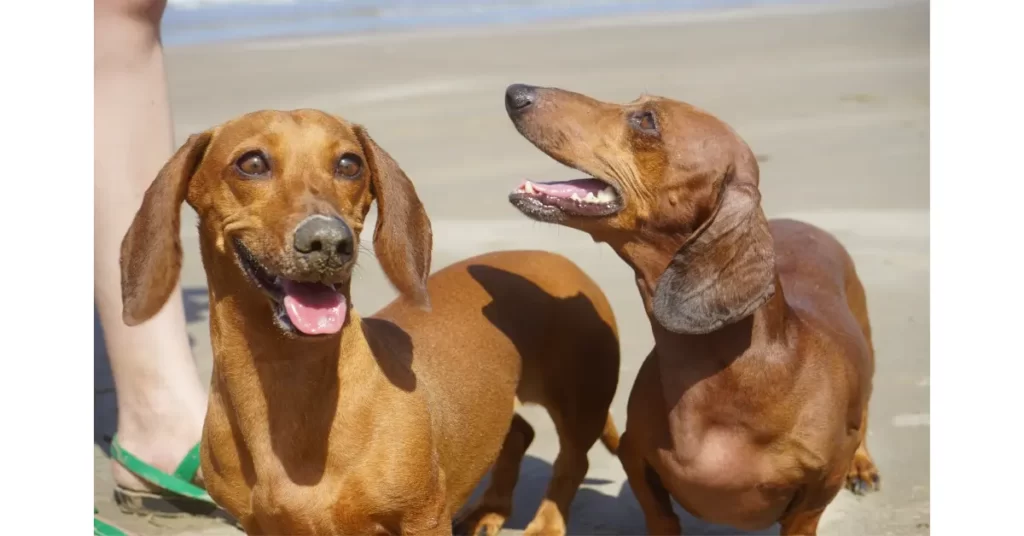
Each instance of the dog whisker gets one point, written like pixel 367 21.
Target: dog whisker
pixel 367 250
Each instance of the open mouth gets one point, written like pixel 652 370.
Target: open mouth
pixel 590 197
pixel 306 308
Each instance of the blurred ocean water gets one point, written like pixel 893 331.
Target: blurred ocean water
pixel 191 22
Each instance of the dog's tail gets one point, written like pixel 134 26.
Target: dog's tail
pixel 610 436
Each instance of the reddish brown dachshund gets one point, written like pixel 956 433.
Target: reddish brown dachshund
pixel 323 422
pixel 753 406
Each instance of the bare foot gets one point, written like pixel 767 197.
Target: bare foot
pixel 161 439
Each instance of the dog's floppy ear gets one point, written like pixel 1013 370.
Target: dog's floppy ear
pixel 403 239
pixel 725 271
pixel 151 249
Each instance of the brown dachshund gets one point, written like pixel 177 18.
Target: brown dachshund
pixel 322 422
pixel 752 408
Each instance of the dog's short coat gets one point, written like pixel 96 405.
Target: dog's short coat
pixel 753 406
pixel 323 422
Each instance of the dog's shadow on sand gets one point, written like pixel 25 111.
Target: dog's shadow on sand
pixel 197 305
pixel 593 511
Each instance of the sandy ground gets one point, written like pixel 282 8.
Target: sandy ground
pixel 834 101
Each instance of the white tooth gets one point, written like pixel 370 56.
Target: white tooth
pixel 529 187
pixel 575 197
pixel 591 198
pixel 606 196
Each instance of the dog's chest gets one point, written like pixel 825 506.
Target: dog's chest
pixel 285 508
pixel 726 477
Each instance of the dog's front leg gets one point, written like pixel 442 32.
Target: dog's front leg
pixel 801 523
pixel 654 499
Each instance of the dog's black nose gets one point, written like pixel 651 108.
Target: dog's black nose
pixel 518 97
pixel 322 238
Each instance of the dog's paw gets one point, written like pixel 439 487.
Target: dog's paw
pixel 482 524
pixel 544 531
pixel 863 476
pixel 548 522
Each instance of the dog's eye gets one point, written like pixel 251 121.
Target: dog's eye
pixel 349 166
pixel 253 164
pixel 645 122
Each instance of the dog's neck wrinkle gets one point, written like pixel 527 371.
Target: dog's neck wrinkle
pixel 648 262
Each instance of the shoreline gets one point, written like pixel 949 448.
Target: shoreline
pixel 245 22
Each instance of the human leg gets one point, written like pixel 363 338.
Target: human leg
pixel 161 403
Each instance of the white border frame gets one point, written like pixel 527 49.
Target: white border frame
pixel 977 171
pixel 977 193
pixel 47 265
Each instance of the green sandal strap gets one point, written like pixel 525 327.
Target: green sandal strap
pixel 179 483
pixel 189 466
pixel 102 528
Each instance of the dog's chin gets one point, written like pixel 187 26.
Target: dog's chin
pixel 562 201
pixel 300 309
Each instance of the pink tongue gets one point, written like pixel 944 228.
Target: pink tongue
pixel 313 308
pixel 565 189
